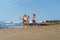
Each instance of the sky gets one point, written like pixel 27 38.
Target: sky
pixel 12 10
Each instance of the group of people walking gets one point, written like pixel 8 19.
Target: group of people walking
pixel 26 19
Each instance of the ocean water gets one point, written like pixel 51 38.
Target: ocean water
pixel 10 25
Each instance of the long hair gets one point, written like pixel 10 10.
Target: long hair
pixel 34 14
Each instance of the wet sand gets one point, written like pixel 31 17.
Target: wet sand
pixel 38 33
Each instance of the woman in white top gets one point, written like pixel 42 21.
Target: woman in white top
pixel 34 20
pixel 25 20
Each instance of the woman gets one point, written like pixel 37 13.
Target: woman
pixel 28 20
pixel 34 20
pixel 25 20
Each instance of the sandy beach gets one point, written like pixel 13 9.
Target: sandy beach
pixel 38 33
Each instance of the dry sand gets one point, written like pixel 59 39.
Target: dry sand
pixel 39 33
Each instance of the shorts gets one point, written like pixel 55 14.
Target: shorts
pixel 25 22
pixel 34 22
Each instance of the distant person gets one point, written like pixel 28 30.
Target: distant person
pixel 34 20
pixel 28 17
